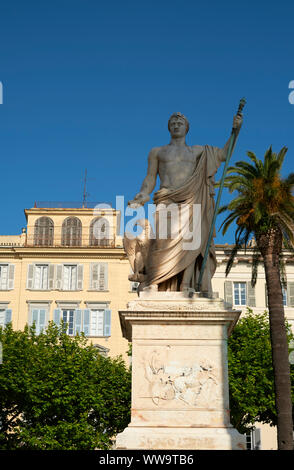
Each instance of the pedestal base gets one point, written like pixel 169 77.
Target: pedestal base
pixel 180 390
pixel 181 438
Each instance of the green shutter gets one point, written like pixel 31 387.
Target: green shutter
pixel 107 322
pixel 86 322
pixel 103 276
pixel 290 294
pixel 78 321
pixel 42 319
pixel 94 276
pixel 228 289
pixel 11 276
pixel 250 295
pixel 8 316
pixel 30 277
pixel 58 279
pixel 51 270
pixel 56 316
pixel 35 316
pixel 80 275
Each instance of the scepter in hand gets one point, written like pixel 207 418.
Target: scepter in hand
pixel 232 141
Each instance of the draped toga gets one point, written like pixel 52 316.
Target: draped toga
pixel 168 258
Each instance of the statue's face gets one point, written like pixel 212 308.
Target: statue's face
pixel 177 127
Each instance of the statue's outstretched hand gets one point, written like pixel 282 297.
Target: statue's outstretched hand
pixel 139 200
pixel 237 122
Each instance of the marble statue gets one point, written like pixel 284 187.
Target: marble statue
pixel 186 178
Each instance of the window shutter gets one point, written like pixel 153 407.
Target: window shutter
pixel 228 292
pixel 58 279
pixel 35 319
pixel 103 276
pixel 56 316
pixel 8 316
pixel 257 439
pixel 78 321
pixel 51 276
pixel 265 293
pixel 80 277
pixel 30 278
pixel 94 276
pixel 86 327
pixel 42 320
pixel 250 295
pixel 290 294
pixel 107 322
pixel 10 276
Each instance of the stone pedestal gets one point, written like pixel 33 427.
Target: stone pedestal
pixel 180 395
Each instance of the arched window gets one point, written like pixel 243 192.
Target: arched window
pixel 44 231
pixel 71 232
pixel 99 232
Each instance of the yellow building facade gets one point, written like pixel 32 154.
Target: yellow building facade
pixel 69 264
pixel 58 270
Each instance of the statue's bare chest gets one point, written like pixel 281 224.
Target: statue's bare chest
pixel 173 154
pixel 176 164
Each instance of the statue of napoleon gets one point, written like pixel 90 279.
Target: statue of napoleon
pixel 186 178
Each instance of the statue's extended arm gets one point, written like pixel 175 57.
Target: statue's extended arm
pixel 149 182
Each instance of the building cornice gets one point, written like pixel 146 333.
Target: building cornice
pixel 61 252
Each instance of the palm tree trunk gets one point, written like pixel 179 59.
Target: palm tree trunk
pixel 280 354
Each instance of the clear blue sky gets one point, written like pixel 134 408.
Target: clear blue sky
pixel 91 84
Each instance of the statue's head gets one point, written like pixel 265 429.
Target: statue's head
pixel 178 118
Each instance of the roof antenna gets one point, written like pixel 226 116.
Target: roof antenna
pixel 85 190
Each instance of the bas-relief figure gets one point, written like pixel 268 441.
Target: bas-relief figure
pixel 186 177
pixel 195 386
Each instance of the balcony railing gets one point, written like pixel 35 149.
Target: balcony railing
pixel 75 243
pixel 70 205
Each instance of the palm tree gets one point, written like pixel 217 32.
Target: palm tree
pixel 264 209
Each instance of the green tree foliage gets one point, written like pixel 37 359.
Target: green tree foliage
pixel 264 208
pixel 58 393
pixel 251 377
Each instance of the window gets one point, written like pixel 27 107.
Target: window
pixel 288 295
pixel 99 320
pixel 5 316
pixel 239 293
pixel 99 232
pixel 70 277
pixel 40 276
pixel 284 292
pixel 99 276
pixel 6 276
pixel 253 439
pixel 44 232
pixel 134 286
pixel 95 321
pixel 38 318
pixel 3 276
pixel 68 318
pixel 71 232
